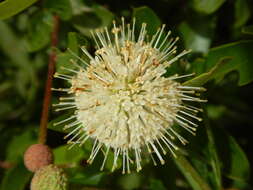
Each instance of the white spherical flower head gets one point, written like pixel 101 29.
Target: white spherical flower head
pixel 122 99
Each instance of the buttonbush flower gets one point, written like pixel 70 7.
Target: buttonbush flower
pixel 123 101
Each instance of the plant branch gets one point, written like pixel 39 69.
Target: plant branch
pixel 48 93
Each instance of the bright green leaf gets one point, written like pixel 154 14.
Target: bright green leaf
pixel 64 155
pixel 207 6
pixel 146 15
pixel 9 8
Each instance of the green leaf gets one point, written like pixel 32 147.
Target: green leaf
pixel 60 7
pixel 207 6
pixel 16 178
pixel 89 179
pixel 241 53
pixel 236 166
pixel 198 37
pixel 87 176
pixel 39 31
pixel 242 13
pixel 75 41
pixel 9 8
pixel 59 128
pixel 224 59
pixel 214 72
pixel 19 144
pixel 213 155
pixel 146 15
pixel 64 155
pixel 130 181
pixel 241 174
pixel 248 30
pixel 98 17
pixel 156 184
pixel 25 75
pixel 192 176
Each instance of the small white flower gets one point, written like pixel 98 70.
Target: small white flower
pixel 122 99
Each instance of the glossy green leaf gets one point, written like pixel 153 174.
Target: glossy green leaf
pixel 60 7
pixel 241 54
pixel 196 38
pixel 207 6
pixel 9 8
pixel 242 12
pixel 63 155
pixel 224 59
pixel 215 72
pixel 39 31
pixel 16 178
pixel 146 15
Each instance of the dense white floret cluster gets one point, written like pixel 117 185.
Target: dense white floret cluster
pixel 122 99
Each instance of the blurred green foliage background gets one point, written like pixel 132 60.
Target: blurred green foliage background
pixel 220 34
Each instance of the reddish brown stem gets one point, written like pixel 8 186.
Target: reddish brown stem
pixel 48 93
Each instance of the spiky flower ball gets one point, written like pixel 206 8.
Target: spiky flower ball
pixel 37 156
pixel 122 99
pixel 49 177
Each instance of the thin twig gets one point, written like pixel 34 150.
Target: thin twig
pixel 48 93
pixel 6 165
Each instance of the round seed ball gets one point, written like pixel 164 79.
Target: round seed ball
pixel 37 156
pixel 49 177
